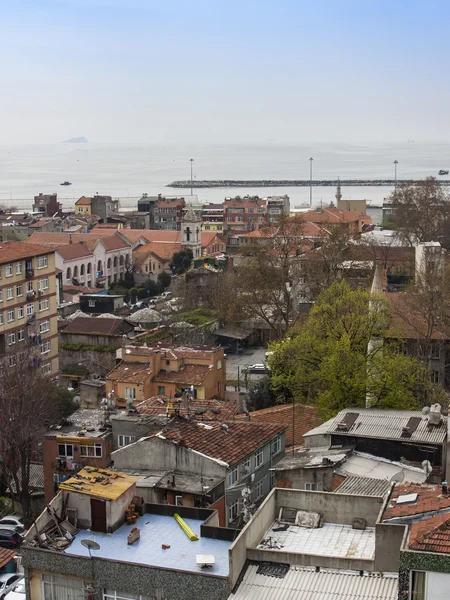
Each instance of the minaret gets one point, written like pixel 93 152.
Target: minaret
pixel 376 341
pixel 191 232
pixel 338 192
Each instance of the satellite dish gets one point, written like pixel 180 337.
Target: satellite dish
pixel 216 411
pixel 425 411
pixel 130 404
pixel 201 410
pixel 90 545
pixel 77 400
pixel 397 477
pixel 426 465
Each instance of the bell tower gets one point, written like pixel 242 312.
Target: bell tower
pixel 191 232
pixel 338 192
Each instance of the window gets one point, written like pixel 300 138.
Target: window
pixel 19 290
pixel 29 286
pixel 8 270
pixel 55 588
pixel 9 293
pixel 44 305
pixel 44 326
pixel 246 465
pixel 259 458
pixel 20 312
pixel 276 445
pixel 161 390
pixel 21 335
pixel 434 376
pixel 30 310
pixel 258 490
pixel 46 347
pixel 311 487
pixel 178 500
pixel 10 315
pixel 233 477
pixel 233 510
pixel 18 268
pixel 1 295
pixel 46 369
pixel 219 364
pixel 65 450
pixel 93 451
pixel 418 585
pixel 42 262
pixel 1 318
pixel 124 440
pixel 43 284
pixel 92 303
pixel 11 338
pixel 114 595
pixel 130 393
pixel 12 361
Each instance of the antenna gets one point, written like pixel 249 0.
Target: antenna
pixel 90 545
pixel 397 477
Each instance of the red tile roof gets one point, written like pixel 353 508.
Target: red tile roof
pixel 10 251
pixel 5 556
pixel 111 241
pixel 106 226
pixel 429 498
pixel 431 535
pixel 114 242
pixel 83 201
pixel 162 250
pixel 74 251
pixel 306 419
pixel 211 410
pixel 151 235
pixel 98 326
pixel 135 372
pixel 332 215
pixel 231 444
pixel 189 374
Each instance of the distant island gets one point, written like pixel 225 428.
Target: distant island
pixel 77 140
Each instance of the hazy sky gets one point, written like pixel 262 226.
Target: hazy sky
pixel 224 70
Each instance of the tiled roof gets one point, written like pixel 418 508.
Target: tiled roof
pixel 305 419
pixel 98 326
pixel 203 410
pixel 429 499
pixel 163 250
pixel 175 352
pixel 73 251
pixel 431 535
pixel 230 444
pixel 332 215
pixel 135 372
pixel 188 374
pixel 114 242
pixel 168 203
pixel 151 235
pixel 208 237
pixel 5 556
pixel 83 201
pixel 79 289
pixel 106 226
pixel 10 251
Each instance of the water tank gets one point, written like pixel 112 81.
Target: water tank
pixel 435 417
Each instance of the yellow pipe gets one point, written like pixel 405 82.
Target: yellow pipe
pixel 185 527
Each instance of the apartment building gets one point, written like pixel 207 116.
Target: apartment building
pixel 244 214
pixel 212 217
pixel 168 213
pixel 277 207
pixel 28 293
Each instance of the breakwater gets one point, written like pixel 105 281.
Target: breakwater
pixel 253 183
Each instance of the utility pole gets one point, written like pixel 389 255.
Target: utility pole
pixel 191 160
pixel 395 174
pixel 310 180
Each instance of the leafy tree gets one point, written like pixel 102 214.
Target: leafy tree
pixel 421 212
pixel 181 261
pixel 333 362
pixel 164 279
pixel 65 401
pixel 259 394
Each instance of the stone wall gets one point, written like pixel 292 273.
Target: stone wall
pixel 419 561
pixel 95 362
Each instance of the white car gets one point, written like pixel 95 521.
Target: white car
pixel 8 582
pixel 12 520
pixel 18 592
pixel 258 368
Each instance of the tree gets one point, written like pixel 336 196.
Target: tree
pixel 421 212
pixel 29 403
pixel 164 279
pixel 181 261
pixel 331 364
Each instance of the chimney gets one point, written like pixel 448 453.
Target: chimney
pixel 70 238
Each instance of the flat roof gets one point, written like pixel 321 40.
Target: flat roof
pixel 361 464
pixel 157 530
pixel 332 539
pixel 83 423
pixel 83 483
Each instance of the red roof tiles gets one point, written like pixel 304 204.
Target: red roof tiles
pixel 429 498
pixel 5 556
pixel 211 410
pixel 10 251
pixel 431 535
pixel 189 374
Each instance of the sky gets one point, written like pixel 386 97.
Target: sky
pixel 224 71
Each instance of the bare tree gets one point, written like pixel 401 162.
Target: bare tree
pixel 421 212
pixel 28 405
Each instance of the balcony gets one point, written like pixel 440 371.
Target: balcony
pixel 29 273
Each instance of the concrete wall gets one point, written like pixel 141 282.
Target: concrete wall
pixel 310 560
pixel 82 504
pixel 316 441
pixel 250 536
pixel 115 510
pixel 91 339
pixel 163 455
pixel 137 427
pixel 296 478
pixel 388 541
pixel 95 362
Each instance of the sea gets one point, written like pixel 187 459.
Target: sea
pixel 126 171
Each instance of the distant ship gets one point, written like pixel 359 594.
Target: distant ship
pixel 69 183
pixel 443 172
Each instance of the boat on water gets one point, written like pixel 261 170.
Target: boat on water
pixel 443 172
pixel 69 183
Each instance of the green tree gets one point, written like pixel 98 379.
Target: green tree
pixel 164 279
pixel 181 261
pixel 332 361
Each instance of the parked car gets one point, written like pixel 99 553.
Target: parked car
pixel 258 368
pixel 18 528
pixel 17 593
pixel 10 539
pixel 166 295
pixel 8 582
pixel 12 520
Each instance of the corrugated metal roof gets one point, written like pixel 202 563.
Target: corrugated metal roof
pixel 305 584
pixel 384 424
pixel 363 486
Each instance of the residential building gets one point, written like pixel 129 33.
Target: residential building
pixel 430 261
pixel 83 206
pixel 48 205
pixel 152 259
pixel 158 369
pixel 204 463
pixel 28 294
pixel 305 544
pixel 168 213
pixel 99 304
pixel 212 243
pixel 212 217
pixel 154 557
pixel 358 206
pixel 333 217
pixel 83 440
pixel 102 206
pixel 244 214
pixel 277 207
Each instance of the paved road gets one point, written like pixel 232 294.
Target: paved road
pixel 251 356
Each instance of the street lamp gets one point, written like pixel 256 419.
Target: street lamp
pixel 310 180
pixel 395 173
pixel 191 160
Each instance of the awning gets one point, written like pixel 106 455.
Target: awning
pixel 236 333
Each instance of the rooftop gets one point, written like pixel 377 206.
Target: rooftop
pixel 157 530
pixel 188 374
pixel 331 539
pixel 88 420
pixel 431 535
pixel 96 326
pixel 307 583
pixel 364 486
pixel 364 465
pixel 99 483
pixel 312 458
pixel 209 410
pixel 5 556
pixel 17 250
pixel 408 501
pixel 384 424
pixel 305 419
pixel 136 372
pixel 73 251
